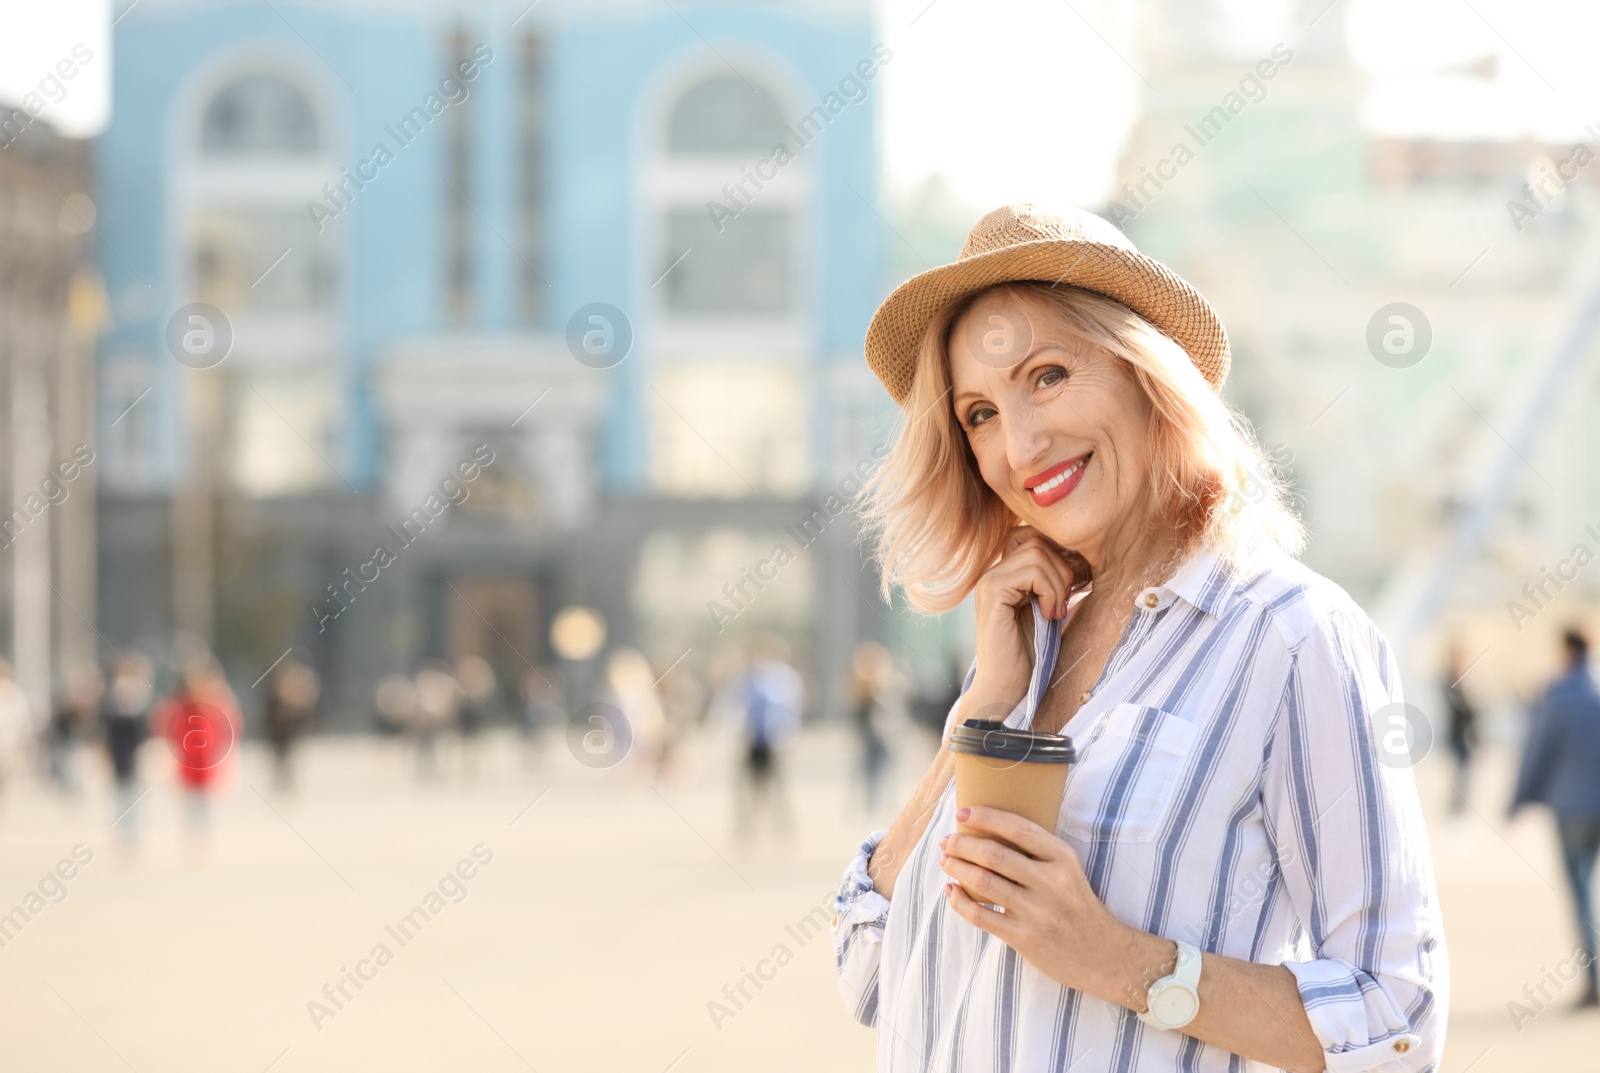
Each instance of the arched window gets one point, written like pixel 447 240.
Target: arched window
pixel 724 114
pixel 729 186
pixel 259 114
pixel 258 252
pixel 734 259
pixel 258 146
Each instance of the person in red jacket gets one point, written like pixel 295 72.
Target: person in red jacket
pixel 200 722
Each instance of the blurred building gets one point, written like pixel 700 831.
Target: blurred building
pixel 1268 169
pixel 453 316
pixel 49 311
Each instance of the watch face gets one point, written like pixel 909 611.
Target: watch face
pixel 1174 1006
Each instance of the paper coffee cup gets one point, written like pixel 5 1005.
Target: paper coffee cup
pixel 1013 769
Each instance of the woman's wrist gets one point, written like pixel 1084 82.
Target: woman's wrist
pixel 1136 960
pixel 988 700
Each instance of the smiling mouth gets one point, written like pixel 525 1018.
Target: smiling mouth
pixel 1056 476
pixel 1058 482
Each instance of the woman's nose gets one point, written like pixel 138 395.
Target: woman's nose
pixel 1027 440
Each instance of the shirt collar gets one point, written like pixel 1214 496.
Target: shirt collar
pixel 1204 579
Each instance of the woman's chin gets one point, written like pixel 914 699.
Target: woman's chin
pixel 1067 533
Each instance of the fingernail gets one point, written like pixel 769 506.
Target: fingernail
pixel 942 840
pixel 962 814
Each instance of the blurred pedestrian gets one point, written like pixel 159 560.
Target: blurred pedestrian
pixel 478 689
pixel 394 703
pixel 683 700
pixel 1561 769
pixel 1463 728
pixel 630 688
pixel 769 696
pixel 17 731
pixel 292 692
pixel 874 699
pixel 125 722
pixel 200 722
pixel 541 709
pixel 438 698
pixel 75 716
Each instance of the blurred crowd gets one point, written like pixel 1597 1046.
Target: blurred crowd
pixel 750 699
pixel 187 705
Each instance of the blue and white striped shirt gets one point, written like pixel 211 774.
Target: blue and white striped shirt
pixel 1229 791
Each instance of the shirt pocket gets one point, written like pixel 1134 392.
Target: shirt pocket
pixel 1126 775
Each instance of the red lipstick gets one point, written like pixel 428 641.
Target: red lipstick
pixel 1057 482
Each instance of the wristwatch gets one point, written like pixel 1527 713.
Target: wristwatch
pixel 1173 1001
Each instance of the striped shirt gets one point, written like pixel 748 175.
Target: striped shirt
pixel 1230 791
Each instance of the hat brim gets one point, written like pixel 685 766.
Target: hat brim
pixel 1141 283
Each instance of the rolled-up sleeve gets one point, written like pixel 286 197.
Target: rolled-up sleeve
pixel 1347 827
pixel 859 916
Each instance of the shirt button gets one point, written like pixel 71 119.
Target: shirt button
pixel 1087 693
pixel 1151 599
pixel 1401 1046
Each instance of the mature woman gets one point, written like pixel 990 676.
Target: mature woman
pixel 1235 871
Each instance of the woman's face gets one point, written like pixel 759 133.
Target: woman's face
pixel 1059 426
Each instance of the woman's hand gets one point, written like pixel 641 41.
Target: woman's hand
pixel 1056 922
pixel 1052 917
pixel 1030 565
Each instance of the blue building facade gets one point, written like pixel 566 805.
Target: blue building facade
pixel 626 253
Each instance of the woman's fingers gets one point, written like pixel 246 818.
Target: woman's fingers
pixel 990 886
pixel 997 857
pixel 990 920
pixel 1029 542
pixel 1020 831
pixel 1033 570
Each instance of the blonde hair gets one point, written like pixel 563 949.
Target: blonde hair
pixel 938 527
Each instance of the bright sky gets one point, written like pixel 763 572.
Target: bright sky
pixel 36 36
pixel 1020 98
pixel 1012 99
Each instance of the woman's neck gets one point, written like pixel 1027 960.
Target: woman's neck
pixel 1131 559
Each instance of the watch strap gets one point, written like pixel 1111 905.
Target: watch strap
pixel 1185 976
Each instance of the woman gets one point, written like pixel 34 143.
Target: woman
pixel 125 717
pixel 1233 872
pixel 201 724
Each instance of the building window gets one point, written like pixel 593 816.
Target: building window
pixel 747 269
pixel 458 217
pixel 262 146
pixel 725 580
pixel 282 430
pixel 724 114
pixel 259 113
pixel 741 262
pixel 130 420
pixel 261 259
pixel 729 428
pixel 532 123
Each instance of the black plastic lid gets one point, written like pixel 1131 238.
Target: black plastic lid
pixel 989 737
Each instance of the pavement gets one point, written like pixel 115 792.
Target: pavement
pixel 524 911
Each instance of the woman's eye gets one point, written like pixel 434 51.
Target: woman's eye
pixel 979 415
pixel 1052 376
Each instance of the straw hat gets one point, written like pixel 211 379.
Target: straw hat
pixel 1029 242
